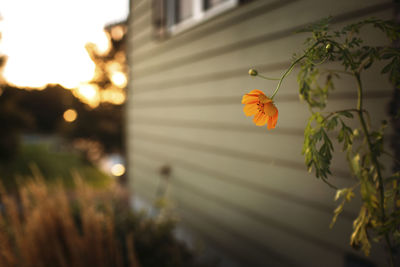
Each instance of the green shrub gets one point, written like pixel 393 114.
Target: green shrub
pixel 53 166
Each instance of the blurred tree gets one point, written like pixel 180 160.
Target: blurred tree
pixel 105 122
pixel 12 119
pixel 41 111
pixel 102 124
pixel 111 66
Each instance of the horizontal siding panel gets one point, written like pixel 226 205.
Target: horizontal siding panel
pixel 137 3
pixel 141 33
pixel 273 20
pixel 272 211
pixel 285 238
pixel 260 55
pixel 229 43
pixel 284 150
pixel 144 24
pixel 216 24
pixel 291 114
pixel 143 36
pixel 231 241
pixel 211 236
pixel 140 27
pixel 216 126
pixel 267 176
pixel 139 10
pixel 233 83
pixel 155 163
pixel 242 187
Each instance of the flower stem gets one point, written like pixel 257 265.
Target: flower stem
pixel 268 78
pixel 286 74
pixel 374 161
pixel 291 68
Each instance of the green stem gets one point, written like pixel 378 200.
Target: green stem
pixel 268 78
pixel 286 74
pixel 291 68
pixel 329 184
pixel 374 161
pixel 338 111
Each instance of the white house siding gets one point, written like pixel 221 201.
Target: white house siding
pixel 244 189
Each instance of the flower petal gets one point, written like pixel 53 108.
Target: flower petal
pixel 272 120
pixel 250 109
pixel 260 119
pixel 249 99
pixel 257 92
pixel 252 96
pixel 270 109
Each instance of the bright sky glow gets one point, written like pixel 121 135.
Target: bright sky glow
pixel 45 39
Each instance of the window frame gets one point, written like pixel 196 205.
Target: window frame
pixel 199 15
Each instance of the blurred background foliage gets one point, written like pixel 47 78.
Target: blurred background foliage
pixel 59 206
pixel 36 129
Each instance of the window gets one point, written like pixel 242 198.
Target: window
pixel 174 16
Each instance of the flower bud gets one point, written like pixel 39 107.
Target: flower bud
pixel 253 72
pixel 328 48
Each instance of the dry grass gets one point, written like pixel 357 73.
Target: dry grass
pixel 48 226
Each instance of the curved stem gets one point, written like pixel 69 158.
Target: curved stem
pixel 338 111
pixel 321 62
pixel 286 74
pixel 268 78
pixel 329 184
pixel 291 67
pixel 374 161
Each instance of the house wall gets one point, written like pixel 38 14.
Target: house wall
pixel 240 187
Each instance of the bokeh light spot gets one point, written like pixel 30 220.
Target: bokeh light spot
pixel 118 169
pixel 119 79
pixel 70 115
pixel 89 94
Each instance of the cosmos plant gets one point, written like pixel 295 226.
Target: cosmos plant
pixel 379 214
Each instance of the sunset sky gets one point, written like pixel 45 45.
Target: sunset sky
pixel 44 40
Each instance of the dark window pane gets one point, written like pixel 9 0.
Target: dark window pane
pixel 212 3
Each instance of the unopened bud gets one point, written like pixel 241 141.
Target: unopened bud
pixel 253 72
pixel 328 48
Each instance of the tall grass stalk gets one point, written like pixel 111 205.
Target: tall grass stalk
pixel 48 226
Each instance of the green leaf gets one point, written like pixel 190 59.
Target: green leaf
pixel 359 236
pixel 347 114
pixel 388 67
pixel 355 165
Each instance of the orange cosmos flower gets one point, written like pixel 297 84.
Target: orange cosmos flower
pixel 262 107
